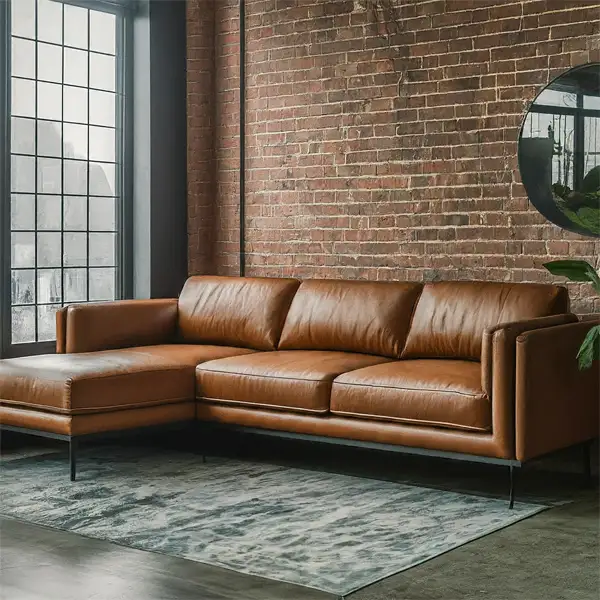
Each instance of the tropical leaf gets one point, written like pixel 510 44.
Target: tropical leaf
pixel 575 270
pixel 590 348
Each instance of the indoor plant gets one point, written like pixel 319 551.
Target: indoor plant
pixel 580 270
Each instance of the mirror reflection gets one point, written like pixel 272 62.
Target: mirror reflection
pixel 559 151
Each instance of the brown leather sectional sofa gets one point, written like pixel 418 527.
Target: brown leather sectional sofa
pixel 481 369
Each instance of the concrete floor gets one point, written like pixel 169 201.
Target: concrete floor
pixel 551 556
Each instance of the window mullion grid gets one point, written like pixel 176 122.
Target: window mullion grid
pixel 36 178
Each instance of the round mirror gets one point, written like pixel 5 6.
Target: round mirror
pixel 559 151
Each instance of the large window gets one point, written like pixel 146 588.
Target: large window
pixel 67 142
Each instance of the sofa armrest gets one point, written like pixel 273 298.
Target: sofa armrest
pixel 501 339
pixel 498 360
pixel 120 324
pixel 557 405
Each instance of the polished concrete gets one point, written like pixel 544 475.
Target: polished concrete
pixel 551 556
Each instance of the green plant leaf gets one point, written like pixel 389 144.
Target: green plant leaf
pixel 575 270
pixel 590 348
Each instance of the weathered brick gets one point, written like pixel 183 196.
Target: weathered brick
pixel 376 157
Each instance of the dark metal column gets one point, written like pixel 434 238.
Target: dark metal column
pixel 242 138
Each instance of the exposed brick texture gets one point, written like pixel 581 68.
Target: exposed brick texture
pixel 379 152
pixel 201 131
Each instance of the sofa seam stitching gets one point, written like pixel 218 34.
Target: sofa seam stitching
pixel 389 387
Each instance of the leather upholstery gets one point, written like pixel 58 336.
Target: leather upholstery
pixel 235 311
pixel 511 332
pixel 450 317
pixel 557 405
pixel 61 330
pixel 498 373
pixel 350 316
pixel 437 397
pixel 117 420
pixel 106 380
pixel 121 324
pixel 442 393
pixel 364 430
pixel 291 380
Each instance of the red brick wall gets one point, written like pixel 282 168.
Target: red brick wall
pixel 201 44
pixel 382 153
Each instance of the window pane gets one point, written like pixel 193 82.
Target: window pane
pixel 49 102
pixel 102 108
pixel 50 63
pixel 76 26
pixel 48 249
pixel 49 138
pixel 49 212
pixel 75 107
pixel 102 249
pixel 22 247
pixel 47 322
pixel 102 32
pixel 23 324
pixel 22 173
pixel 75 140
pixel 75 177
pixel 22 212
pixel 76 67
pixel 102 214
pixel 23 286
pixel 75 249
pixel 102 284
pixel 22 136
pixel 102 72
pixel 64 146
pixel 49 175
pixel 23 18
pixel 102 179
pixel 49 286
pixel 75 285
pixel 49 21
pixel 102 144
pixel 23 58
pixel 75 212
pixel 22 96
pixel 592 102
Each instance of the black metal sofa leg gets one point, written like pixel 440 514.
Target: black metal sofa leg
pixel 73 457
pixel 512 472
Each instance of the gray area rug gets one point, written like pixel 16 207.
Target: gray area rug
pixel 333 532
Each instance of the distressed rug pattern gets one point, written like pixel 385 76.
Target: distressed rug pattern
pixel 332 532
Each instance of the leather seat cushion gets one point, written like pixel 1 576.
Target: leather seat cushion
pixel 444 393
pixel 107 380
pixel 297 380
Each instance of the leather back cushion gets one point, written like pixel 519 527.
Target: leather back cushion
pixel 247 312
pixel 451 317
pixel 351 316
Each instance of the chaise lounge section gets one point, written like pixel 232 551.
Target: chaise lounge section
pixel 476 370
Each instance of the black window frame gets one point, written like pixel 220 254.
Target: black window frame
pixel 124 10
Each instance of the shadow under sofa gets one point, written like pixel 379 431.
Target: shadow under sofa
pixel 477 370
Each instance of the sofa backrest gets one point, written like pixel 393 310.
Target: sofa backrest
pixel 352 316
pixel 246 312
pixel 451 316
